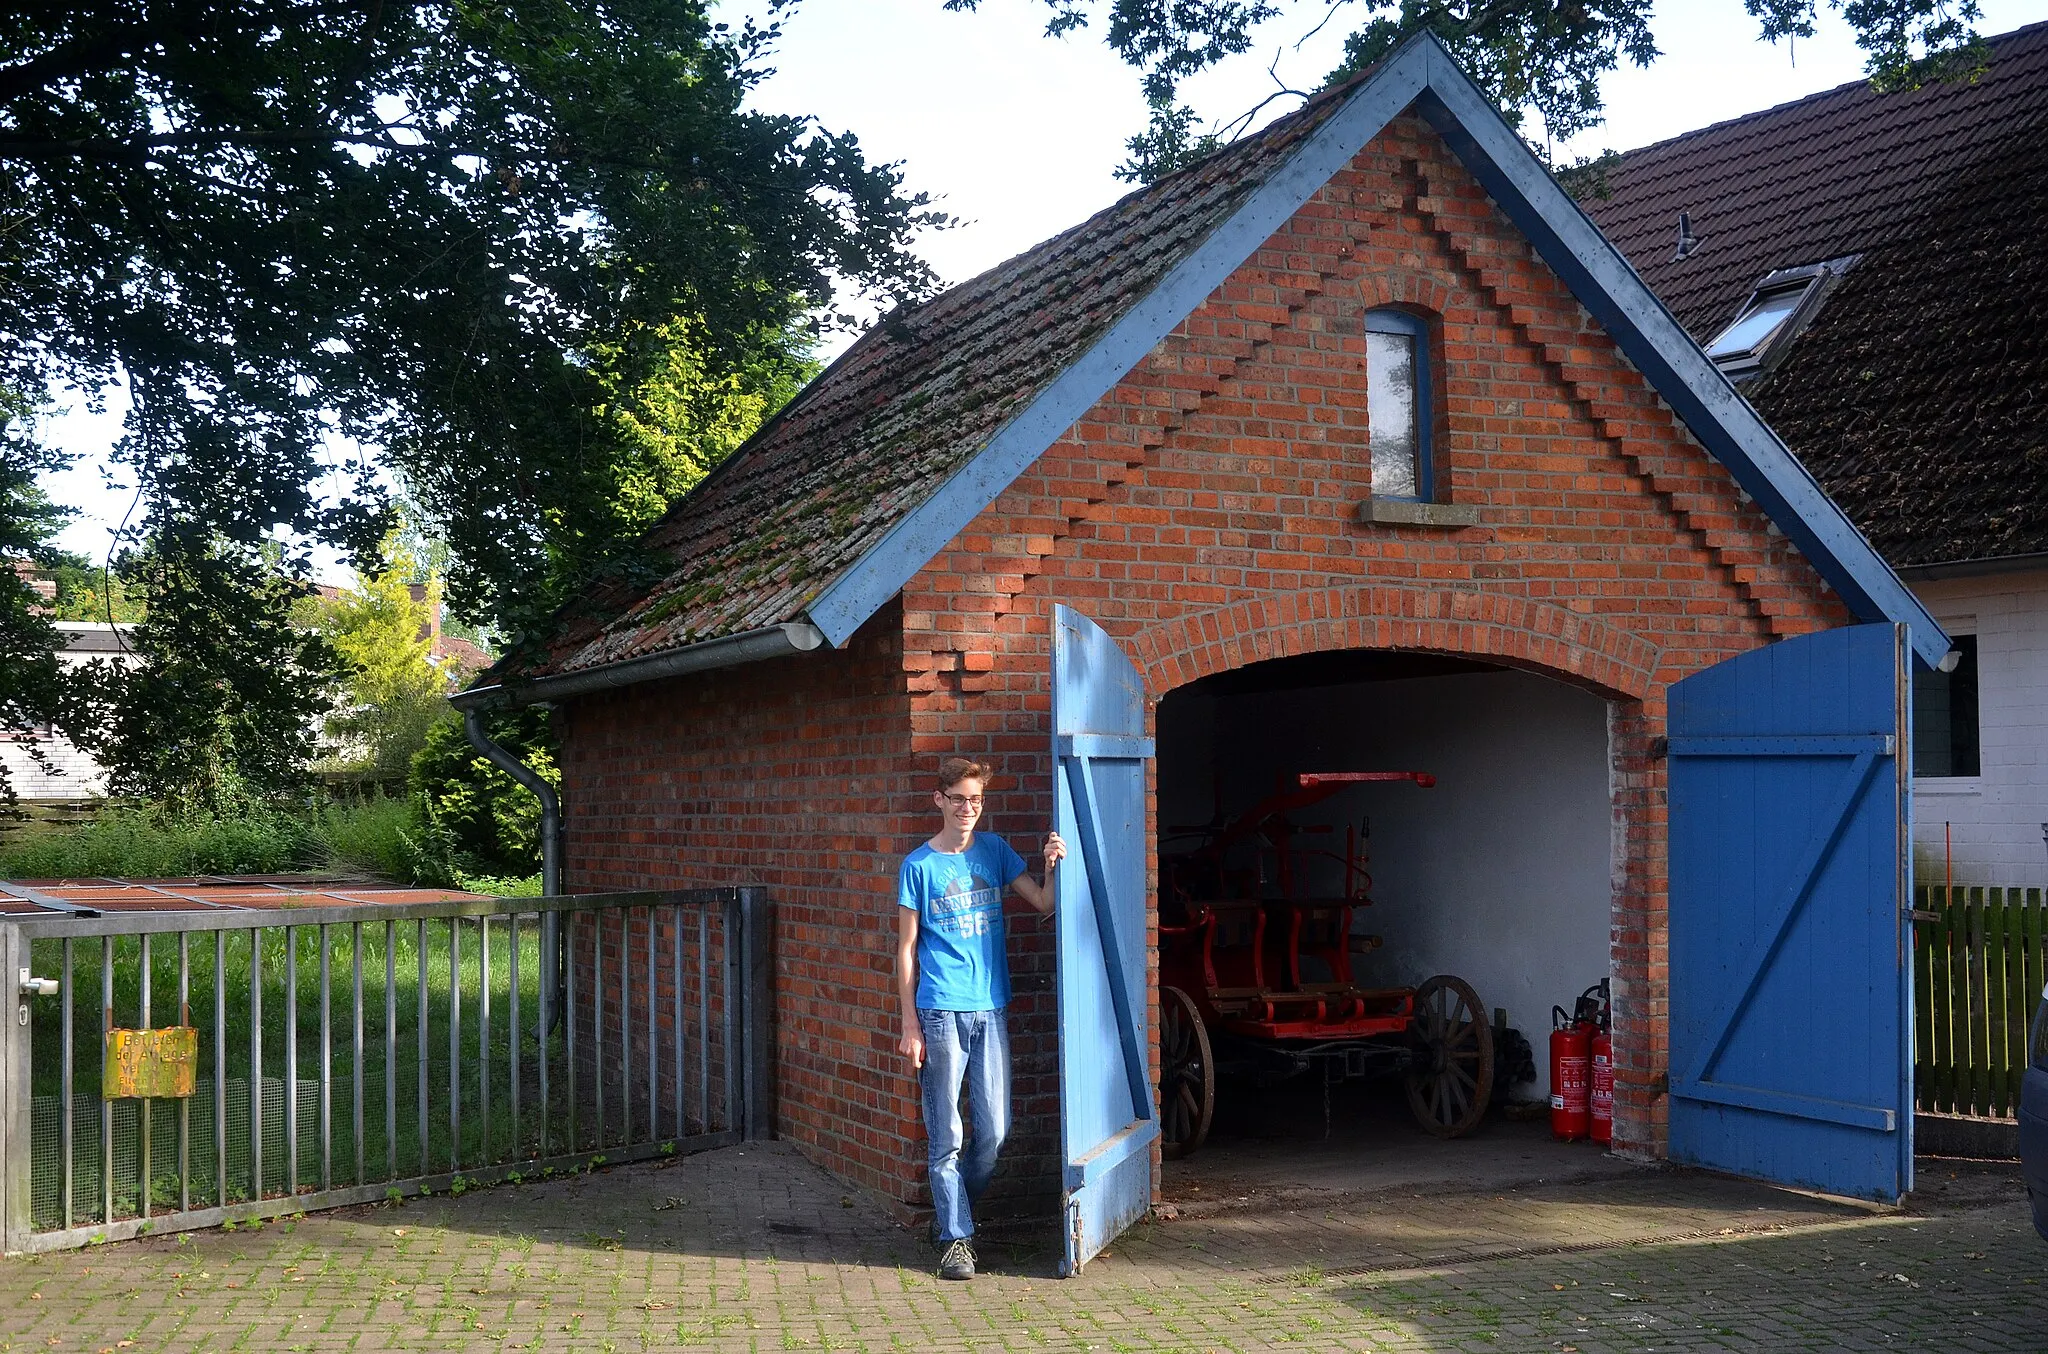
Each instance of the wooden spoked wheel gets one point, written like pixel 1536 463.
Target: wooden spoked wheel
pixel 1187 1075
pixel 1451 1078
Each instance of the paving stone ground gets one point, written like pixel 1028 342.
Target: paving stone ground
pixel 755 1249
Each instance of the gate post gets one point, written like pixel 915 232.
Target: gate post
pixel 15 1120
pixel 757 986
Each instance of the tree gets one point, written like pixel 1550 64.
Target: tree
pixel 1543 58
pixel 465 238
pixel 90 592
pixel 32 684
pixel 391 692
pixel 218 714
pixel 479 821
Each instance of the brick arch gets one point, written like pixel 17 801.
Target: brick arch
pixel 1405 287
pixel 1534 636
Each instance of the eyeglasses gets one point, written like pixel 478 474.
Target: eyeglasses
pixel 963 801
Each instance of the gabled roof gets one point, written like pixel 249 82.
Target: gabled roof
pixel 832 508
pixel 1916 396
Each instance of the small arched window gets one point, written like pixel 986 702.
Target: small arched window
pixel 1398 403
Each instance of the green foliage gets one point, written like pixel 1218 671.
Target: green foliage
pixel 486 240
pixel 89 592
pixel 391 692
pixel 477 818
pixel 32 685
pixel 218 714
pixel 378 837
pixel 1169 142
pixel 137 843
pixel 672 416
pixel 1534 57
pixel 500 886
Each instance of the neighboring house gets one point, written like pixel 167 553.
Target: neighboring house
pixel 1872 269
pixel 1362 450
pixel 66 772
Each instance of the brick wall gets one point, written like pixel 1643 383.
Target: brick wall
pixel 793 774
pixel 1205 513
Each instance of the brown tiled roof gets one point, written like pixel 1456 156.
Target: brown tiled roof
pixel 904 408
pixel 1915 397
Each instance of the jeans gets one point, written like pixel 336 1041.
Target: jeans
pixel 971 1048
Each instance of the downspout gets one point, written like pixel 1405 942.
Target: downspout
pixel 550 802
pixel 550 858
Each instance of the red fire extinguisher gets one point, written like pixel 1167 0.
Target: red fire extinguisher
pixel 1570 1089
pixel 1594 1013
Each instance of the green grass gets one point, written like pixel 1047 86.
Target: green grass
pixel 381 838
pixel 290 1004
pixel 134 843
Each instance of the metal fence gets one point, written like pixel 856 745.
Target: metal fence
pixel 356 1053
pixel 1980 958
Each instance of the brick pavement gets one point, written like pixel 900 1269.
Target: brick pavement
pixel 755 1249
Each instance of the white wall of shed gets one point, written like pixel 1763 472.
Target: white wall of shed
pixel 1994 820
pixel 68 772
pixel 1500 874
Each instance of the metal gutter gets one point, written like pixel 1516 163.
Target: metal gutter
pixel 1973 568
pixel 750 646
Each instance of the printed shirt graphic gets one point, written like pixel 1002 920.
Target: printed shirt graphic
pixel 961 962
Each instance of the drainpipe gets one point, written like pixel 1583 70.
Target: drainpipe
pixel 550 857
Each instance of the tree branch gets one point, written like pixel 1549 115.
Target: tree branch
pixel 112 148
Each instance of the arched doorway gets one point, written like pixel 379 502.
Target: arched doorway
pixel 1500 872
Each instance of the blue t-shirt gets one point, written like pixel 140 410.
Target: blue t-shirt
pixel 961 963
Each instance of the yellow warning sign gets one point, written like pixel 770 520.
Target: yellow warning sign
pixel 151 1064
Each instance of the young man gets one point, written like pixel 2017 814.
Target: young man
pixel 954 979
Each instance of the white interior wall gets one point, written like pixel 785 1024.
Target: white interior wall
pixel 1500 874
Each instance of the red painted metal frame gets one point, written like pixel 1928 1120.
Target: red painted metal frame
pixel 1245 976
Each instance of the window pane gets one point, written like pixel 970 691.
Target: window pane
pixel 1945 717
pixel 1390 403
pixel 1754 326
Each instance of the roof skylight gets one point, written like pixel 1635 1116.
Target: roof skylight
pixel 1781 305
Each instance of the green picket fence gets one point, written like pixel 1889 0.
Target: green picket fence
pixel 1979 966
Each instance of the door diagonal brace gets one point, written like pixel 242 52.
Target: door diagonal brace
pixel 1137 1070
pixel 1812 860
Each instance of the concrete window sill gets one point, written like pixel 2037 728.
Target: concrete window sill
pixel 1408 513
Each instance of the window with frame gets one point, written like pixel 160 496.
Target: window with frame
pixel 1779 307
pixel 1945 732
pixel 1398 404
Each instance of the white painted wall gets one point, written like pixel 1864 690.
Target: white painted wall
pixel 1500 874
pixel 70 774
pixel 1995 819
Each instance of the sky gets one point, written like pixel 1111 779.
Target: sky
pixel 1019 135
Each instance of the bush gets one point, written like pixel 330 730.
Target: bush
pixel 140 844
pixel 383 837
pixel 477 820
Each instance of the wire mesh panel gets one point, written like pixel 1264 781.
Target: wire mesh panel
pixel 347 1054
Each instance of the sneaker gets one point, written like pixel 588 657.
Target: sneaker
pixel 958 1261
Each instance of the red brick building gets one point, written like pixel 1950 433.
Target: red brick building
pixel 1164 419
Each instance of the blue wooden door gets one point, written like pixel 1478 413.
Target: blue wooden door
pixel 1791 980
pixel 1107 1119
